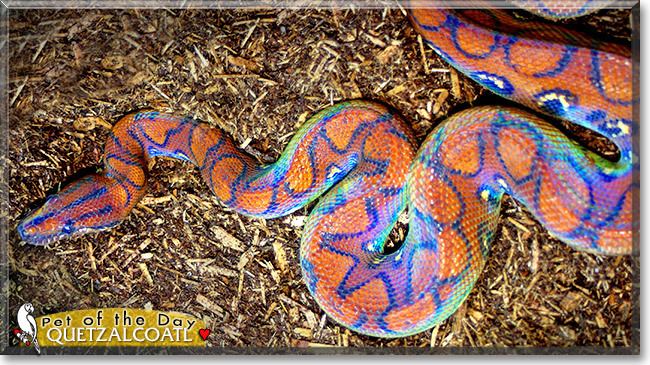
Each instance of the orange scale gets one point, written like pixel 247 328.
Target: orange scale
pixel 223 173
pixel 434 196
pixel 202 141
pixel 556 215
pixel 373 181
pixel 400 155
pixel 331 302
pixel 467 159
pixel 134 173
pixel 445 291
pixel 282 197
pixel 339 130
pixel 473 41
pixel 255 202
pixel 613 242
pixel 158 134
pixel 546 58
pixel 300 176
pixel 358 116
pixel 376 146
pixel 625 216
pixel 429 17
pixel 453 254
pixel 518 152
pixel 425 261
pixel 615 188
pixel 372 297
pixel 119 195
pixel 50 224
pixel 329 268
pixel 128 143
pixel 404 318
pixel 617 81
pixel 353 211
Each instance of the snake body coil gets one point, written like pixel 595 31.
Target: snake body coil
pixel 363 157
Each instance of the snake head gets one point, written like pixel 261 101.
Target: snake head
pixel 83 206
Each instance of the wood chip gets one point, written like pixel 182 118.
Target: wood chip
pixel 209 305
pixel 455 84
pixel 113 62
pixel 280 256
pixel 226 239
pixel 242 62
pixel 85 124
pixel 145 272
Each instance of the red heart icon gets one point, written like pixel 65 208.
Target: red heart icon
pixel 204 333
pixel 16 331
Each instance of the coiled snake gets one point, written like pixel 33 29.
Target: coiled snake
pixel 360 158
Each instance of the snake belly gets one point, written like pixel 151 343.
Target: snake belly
pixel 361 159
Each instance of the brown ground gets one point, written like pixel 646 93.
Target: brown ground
pixel 258 75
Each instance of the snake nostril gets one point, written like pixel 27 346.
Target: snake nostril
pixel 21 231
pixel 24 232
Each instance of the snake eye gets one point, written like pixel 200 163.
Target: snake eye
pixel 38 220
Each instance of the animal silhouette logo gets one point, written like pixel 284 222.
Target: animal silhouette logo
pixel 27 331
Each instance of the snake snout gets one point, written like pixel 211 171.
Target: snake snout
pixel 36 229
pixel 45 224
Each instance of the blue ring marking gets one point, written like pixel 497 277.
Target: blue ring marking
pixel 526 128
pixel 597 81
pixel 208 154
pixel 118 144
pixel 392 303
pixel 481 161
pixel 380 167
pixel 561 65
pixel 235 183
pixel 361 128
pixel 131 133
pixel 362 320
pixel 453 23
pixel 190 142
pixel 312 163
pixel 431 245
pixel 427 27
pixel 169 134
pixel 113 172
pixel 373 219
